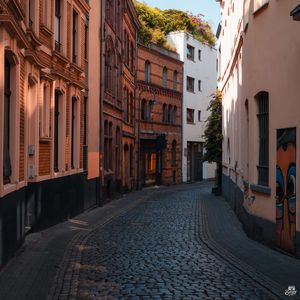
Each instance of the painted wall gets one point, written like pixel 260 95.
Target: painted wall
pixel 204 70
pixel 249 65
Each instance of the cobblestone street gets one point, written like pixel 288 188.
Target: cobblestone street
pixel 161 250
pixel 167 243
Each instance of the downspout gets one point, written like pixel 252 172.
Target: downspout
pixel 101 36
pixel 136 157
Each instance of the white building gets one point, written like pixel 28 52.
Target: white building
pixel 199 83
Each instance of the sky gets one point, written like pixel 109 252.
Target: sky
pixel 209 8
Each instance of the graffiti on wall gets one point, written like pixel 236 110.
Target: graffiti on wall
pixel 286 189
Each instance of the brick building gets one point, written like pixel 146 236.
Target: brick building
pixel 159 117
pixel 42 108
pixel 118 26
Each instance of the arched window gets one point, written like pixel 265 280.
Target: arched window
pixel 125 105
pixel 165 113
pixel 106 145
pixel 150 107
pixel 170 113
pixel 131 109
pixel 117 152
pixel 110 11
pixel 109 67
pixel 119 81
pixel 175 75
pixel 165 77
pixel 144 110
pixel 131 161
pixel 174 114
pixel 147 71
pixel 110 152
pixel 174 144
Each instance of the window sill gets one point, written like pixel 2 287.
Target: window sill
pixel 45 140
pixel 46 29
pixel 260 189
pixel 193 92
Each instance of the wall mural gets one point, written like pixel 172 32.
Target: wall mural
pixel 286 189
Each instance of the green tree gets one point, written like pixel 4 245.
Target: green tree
pixel 213 136
pixel 157 23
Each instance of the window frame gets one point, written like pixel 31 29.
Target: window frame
pixel 192 80
pixel 190 52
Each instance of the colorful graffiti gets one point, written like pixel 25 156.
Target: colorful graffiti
pixel 286 189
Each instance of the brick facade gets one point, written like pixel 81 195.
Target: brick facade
pixel 159 91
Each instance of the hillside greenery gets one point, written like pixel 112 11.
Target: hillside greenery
pixel 157 23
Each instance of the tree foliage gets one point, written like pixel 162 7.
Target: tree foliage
pixel 157 23
pixel 213 132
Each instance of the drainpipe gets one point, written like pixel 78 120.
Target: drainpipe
pixel 136 157
pixel 101 39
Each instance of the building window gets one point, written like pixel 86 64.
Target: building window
pixel 109 67
pixel 263 125
pixel 31 13
pixel 57 128
pixel 150 107
pixel 106 133
pixel 110 152
pixel 190 116
pixel 190 52
pixel 147 71
pixel 144 110
pixel 165 113
pixel 199 85
pixel 131 109
pixel 46 15
pixel 132 57
pixel 119 81
pixel 174 114
pixel 126 48
pixel 175 75
pixel 74 133
pixel 174 144
pixel 75 37
pixel 85 134
pixel 170 114
pixel 131 161
pixel 117 152
pixel 57 26
pixel 119 19
pixel 199 115
pixel 165 77
pixel 45 111
pixel 86 40
pixel 190 82
pixel 7 171
pixel 199 55
pixel 110 9
pixel 126 104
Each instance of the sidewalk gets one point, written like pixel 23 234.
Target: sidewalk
pixel 31 273
pixel 226 231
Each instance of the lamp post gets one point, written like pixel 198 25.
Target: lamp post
pixel 148 90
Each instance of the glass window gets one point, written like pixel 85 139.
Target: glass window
pixel 190 84
pixel 190 52
pixel 190 116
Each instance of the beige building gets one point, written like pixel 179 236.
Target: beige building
pixel 259 64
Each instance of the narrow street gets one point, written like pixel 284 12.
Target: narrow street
pixel 167 243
